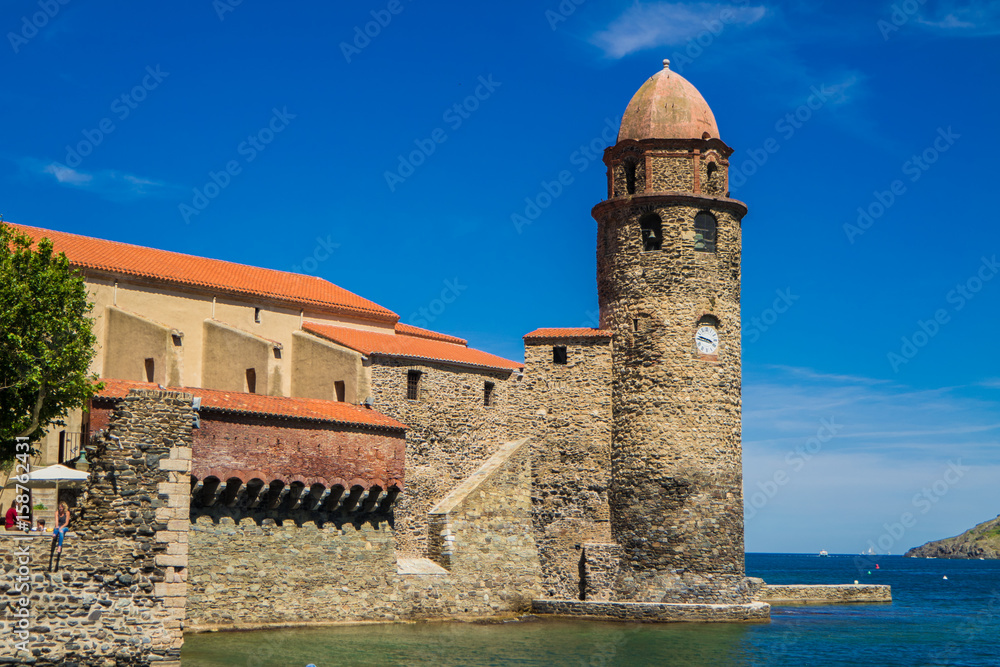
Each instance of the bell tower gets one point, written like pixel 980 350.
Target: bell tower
pixel 668 276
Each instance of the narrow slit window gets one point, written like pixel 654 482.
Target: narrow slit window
pixel 559 354
pixel 150 370
pixel 630 176
pixel 413 385
pixel 340 390
pixel 251 385
pixel 712 168
pixel 705 231
pixel 256 315
pixel 651 228
pixel 488 394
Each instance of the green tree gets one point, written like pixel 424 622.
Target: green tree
pixel 46 339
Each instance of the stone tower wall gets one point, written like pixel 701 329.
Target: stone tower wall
pixel 566 411
pixel 676 490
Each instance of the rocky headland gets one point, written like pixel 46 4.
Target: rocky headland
pixel 983 541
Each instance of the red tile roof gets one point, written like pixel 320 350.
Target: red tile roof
pixel 410 330
pixel 309 409
pixel 567 332
pixel 213 274
pixel 408 346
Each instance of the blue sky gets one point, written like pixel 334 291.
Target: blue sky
pixel 264 135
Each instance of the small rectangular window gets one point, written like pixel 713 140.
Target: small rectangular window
pixel 488 394
pixel 413 385
pixel 256 315
pixel 338 387
pixel 251 385
pixel 150 370
pixel 559 354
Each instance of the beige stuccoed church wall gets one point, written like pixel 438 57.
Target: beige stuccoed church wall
pixel 135 319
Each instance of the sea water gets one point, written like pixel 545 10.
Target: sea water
pixel 944 612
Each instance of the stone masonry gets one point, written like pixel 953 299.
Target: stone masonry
pixel 116 594
pixel 676 465
pixel 451 432
pixel 566 411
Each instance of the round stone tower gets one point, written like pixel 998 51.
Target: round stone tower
pixel 668 277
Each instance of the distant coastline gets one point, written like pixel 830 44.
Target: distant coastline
pixel 983 541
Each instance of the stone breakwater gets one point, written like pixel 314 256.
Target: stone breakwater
pixel 821 594
pixel 651 612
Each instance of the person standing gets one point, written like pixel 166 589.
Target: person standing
pixel 62 525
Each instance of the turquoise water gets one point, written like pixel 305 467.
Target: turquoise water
pixel 932 621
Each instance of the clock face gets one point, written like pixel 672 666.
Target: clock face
pixel 707 340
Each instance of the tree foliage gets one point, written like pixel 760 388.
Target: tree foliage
pixel 46 339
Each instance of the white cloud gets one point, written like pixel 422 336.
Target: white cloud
pixel 648 25
pixel 891 443
pixel 107 183
pixel 966 18
pixel 67 175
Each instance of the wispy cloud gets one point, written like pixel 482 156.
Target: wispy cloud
pixel 652 24
pixel 892 442
pixel 976 18
pixel 108 183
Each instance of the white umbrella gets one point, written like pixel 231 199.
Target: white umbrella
pixel 55 474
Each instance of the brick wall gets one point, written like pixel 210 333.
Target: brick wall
pixel 268 448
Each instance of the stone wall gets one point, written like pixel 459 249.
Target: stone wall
pixel 450 432
pixel 820 594
pixel 671 173
pixel 637 612
pixel 254 567
pixel 566 411
pixel 116 593
pixel 260 566
pixel 676 460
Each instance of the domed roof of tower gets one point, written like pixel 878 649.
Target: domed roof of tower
pixel 668 107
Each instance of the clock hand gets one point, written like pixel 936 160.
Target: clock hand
pixel 707 340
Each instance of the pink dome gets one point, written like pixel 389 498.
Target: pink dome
pixel 668 107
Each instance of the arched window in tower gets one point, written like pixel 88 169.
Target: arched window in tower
pixel 630 175
pixel 652 232
pixel 705 229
